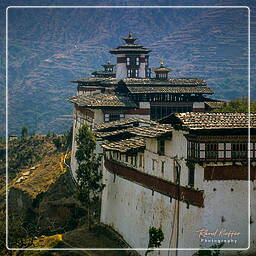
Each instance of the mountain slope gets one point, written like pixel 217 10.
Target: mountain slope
pixel 50 47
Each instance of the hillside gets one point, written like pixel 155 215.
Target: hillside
pixel 43 207
pixel 50 47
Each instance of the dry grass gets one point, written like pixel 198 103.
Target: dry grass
pixel 38 180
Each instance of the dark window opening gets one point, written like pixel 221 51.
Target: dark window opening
pixel 191 176
pixel 161 147
pixel 211 150
pixel 162 167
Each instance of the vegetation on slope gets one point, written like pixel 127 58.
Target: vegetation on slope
pixel 237 105
pixel 43 208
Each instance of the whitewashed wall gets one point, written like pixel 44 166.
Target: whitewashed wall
pixel 131 209
pixel 79 120
pixel 121 70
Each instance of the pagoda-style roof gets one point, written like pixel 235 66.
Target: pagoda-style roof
pixel 141 81
pixel 123 146
pixel 162 68
pixel 130 47
pixel 154 131
pixel 102 72
pixel 108 65
pixel 213 104
pixel 95 80
pixel 102 100
pixel 210 121
pixel 169 81
pixel 130 39
pixel 170 89
pixel 124 123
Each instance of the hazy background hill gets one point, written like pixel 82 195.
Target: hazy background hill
pixel 50 47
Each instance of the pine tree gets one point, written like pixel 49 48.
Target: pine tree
pixel 88 175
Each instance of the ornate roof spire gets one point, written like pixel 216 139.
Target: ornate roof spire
pixel 161 63
pixel 162 71
pixel 130 39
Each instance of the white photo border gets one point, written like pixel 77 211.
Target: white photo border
pixel 127 7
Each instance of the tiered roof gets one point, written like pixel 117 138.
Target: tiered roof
pixel 130 47
pixel 126 145
pixel 169 81
pixel 141 131
pixel 132 127
pixel 102 100
pixel 165 89
pixel 103 72
pixel 95 80
pixel 124 123
pixel 212 121
pixel 152 131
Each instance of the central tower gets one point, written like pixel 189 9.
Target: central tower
pixel 132 59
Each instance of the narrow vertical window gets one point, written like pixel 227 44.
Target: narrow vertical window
pixel 228 150
pixel 153 164
pixel 106 118
pixel 191 176
pixel 137 61
pixel 161 147
pixel 141 161
pixel 251 150
pixel 128 61
pixel 136 73
pixel 221 150
pixel 128 73
pixel 162 167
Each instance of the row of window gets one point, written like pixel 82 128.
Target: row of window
pixel 135 61
pixel 154 165
pixel 113 117
pixel 128 61
pixel 223 151
pixel 162 75
pixel 132 73
pixel 138 161
pixel 131 160
pixel 158 112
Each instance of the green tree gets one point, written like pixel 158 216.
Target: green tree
pixel 237 106
pixel 24 131
pixel 67 140
pixel 209 252
pixel 88 175
pixel 156 237
pixel 57 142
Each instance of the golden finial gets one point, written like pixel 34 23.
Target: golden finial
pixel 161 63
pixel 130 34
pixel 108 60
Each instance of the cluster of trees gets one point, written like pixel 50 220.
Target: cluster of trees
pixel 63 142
pixel 238 105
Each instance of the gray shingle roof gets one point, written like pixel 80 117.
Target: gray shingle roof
pixel 151 131
pixel 141 131
pixel 174 90
pixel 102 100
pixel 169 81
pixel 123 146
pixel 123 122
pixel 195 120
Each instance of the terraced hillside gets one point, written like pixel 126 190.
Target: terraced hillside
pixel 50 47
